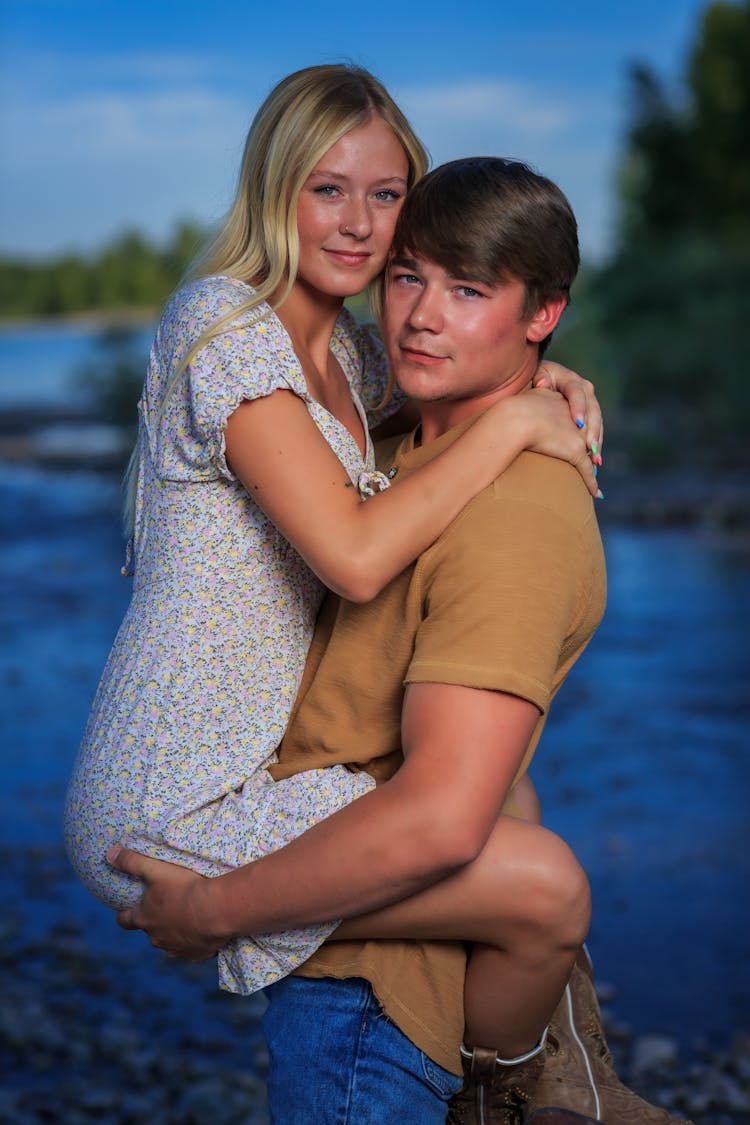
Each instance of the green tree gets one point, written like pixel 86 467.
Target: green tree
pixel 669 311
pixel 129 273
pixel 686 171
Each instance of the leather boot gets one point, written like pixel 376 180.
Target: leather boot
pixel 496 1091
pixel 579 1074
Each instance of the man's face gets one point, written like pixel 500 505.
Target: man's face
pixel 455 340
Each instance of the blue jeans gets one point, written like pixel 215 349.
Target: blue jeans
pixel 335 1059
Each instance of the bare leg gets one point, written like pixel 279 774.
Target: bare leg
pixel 525 903
pixel 526 801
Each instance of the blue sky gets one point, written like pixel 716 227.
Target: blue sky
pixel 132 114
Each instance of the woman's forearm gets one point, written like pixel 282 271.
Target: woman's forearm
pixel 357 548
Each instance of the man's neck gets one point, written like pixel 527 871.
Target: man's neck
pixel 436 418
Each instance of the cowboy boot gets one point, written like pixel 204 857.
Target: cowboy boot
pixel 579 1074
pixel 498 1091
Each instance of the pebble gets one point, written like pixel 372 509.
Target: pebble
pixel 113 1040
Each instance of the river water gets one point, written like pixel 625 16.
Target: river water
pixel 644 767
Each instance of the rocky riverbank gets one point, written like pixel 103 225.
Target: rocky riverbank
pixel 95 1026
pixel 72 438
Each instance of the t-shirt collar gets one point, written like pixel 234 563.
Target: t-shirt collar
pixel 411 455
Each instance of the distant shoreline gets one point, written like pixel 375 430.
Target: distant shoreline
pixel 92 319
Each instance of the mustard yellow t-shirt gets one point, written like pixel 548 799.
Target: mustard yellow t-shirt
pixel 506 600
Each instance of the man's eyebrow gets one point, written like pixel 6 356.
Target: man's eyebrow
pixel 404 263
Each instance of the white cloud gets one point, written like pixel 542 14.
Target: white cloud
pixel 564 136
pixel 509 105
pixel 142 140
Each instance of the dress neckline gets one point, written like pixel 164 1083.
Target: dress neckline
pixel 341 354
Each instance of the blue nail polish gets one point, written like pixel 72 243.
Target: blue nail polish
pixel 580 423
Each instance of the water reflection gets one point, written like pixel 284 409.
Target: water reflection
pixel 643 768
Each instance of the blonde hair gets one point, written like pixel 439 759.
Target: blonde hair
pixel 302 117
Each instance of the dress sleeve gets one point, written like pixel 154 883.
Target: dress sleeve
pixel 368 370
pixel 250 359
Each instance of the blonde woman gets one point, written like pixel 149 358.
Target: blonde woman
pixel 248 481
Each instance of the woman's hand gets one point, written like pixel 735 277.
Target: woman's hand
pixel 169 911
pixel 582 402
pixel 544 418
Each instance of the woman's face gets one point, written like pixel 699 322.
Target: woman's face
pixel 347 210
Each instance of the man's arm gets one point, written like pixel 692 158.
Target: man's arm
pixel 462 749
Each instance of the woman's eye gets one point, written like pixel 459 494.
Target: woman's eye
pixel 388 195
pixel 326 190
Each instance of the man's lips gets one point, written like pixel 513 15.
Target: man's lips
pixel 419 355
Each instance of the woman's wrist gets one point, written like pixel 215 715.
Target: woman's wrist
pixel 519 421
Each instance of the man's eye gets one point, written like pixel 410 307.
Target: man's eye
pixel 467 291
pixel 406 278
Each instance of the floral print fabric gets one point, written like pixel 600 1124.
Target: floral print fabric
pixel 200 682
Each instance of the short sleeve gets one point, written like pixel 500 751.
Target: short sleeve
pixel 500 593
pixel 249 359
pixel 367 369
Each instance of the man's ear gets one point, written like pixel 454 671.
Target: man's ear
pixel 545 320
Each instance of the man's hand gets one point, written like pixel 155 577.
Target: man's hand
pixel 169 911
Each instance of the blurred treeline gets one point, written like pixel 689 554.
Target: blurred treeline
pixel 659 326
pixel 130 273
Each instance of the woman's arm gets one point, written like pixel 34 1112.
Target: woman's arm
pixel 356 548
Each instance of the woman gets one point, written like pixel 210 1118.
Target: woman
pixel 253 455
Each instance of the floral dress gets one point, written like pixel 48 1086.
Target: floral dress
pixel 198 688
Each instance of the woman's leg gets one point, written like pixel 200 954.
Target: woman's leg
pixel 525 904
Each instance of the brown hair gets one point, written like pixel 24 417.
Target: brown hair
pixel 493 220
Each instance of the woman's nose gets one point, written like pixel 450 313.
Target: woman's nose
pixel 356 219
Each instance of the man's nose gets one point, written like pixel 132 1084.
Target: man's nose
pixel 425 313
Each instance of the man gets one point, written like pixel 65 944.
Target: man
pixel 482 630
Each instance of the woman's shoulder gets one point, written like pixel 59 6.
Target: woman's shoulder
pixel 211 302
pixel 205 299
pixel 360 345
pixel 353 331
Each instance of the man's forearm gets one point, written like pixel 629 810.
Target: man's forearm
pixel 384 847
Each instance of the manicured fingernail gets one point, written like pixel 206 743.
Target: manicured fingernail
pixel 596 471
pixel 600 495
pixel 580 422
pixel 598 460
pixel 594 449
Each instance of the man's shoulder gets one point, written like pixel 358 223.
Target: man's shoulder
pixel 544 483
pixel 537 501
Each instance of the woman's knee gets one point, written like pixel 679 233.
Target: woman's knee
pixel 562 902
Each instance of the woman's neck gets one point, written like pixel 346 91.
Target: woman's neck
pixel 309 317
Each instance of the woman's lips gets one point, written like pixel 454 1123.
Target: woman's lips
pixel 349 257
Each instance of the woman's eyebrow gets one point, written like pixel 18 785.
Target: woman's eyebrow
pixel 332 174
